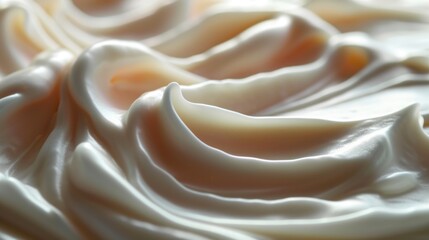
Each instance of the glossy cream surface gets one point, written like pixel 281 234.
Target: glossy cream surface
pixel 211 119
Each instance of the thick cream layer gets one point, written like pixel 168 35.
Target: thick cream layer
pixel 264 120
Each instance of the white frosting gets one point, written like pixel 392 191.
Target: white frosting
pixel 220 120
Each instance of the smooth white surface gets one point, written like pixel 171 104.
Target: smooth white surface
pixel 230 120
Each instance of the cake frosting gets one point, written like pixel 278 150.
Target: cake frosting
pixel 212 119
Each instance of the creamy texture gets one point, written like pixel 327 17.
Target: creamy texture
pixel 220 120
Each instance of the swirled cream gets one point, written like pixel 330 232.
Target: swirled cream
pixel 181 119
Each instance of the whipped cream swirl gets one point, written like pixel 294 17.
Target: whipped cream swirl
pixel 214 119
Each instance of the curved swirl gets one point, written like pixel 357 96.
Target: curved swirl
pixel 268 121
